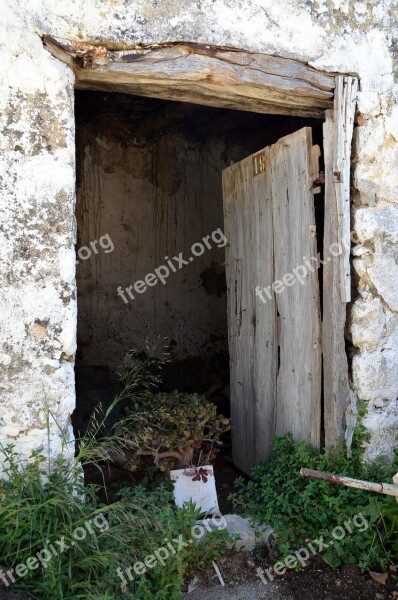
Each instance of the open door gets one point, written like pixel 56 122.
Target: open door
pixel 273 298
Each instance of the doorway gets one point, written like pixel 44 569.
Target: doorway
pixel 149 187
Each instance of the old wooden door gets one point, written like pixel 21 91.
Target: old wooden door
pixel 273 298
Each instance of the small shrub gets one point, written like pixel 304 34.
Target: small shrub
pixel 170 427
pixel 172 430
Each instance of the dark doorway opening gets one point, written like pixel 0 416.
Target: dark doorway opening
pixel 148 189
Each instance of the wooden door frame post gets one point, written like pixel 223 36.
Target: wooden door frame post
pixel 338 131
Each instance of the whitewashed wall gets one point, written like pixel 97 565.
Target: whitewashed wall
pixel 38 306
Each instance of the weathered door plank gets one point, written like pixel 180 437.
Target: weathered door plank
pixel 335 366
pixel 337 133
pixel 266 239
pixel 298 304
pixel 344 113
pixel 251 329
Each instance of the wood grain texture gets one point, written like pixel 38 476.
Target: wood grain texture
pixel 338 130
pixel 335 366
pixel 344 113
pixel 204 75
pixel 251 324
pixel 298 304
pixel 270 226
pixel 360 484
pixel 315 156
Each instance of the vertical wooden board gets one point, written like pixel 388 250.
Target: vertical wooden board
pixel 251 324
pixel 265 324
pixel 270 227
pixel 298 303
pixel 237 227
pixel 335 367
pixel 344 113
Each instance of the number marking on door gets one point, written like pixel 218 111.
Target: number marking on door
pixel 259 164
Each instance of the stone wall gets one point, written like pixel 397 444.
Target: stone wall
pixel 38 303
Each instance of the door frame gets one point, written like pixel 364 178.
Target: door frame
pixel 230 78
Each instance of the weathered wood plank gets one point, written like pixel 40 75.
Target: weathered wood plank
pixel 273 65
pixel 382 488
pixel 217 98
pixel 202 75
pixel 315 156
pixel 251 324
pixel 344 113
pixel 177 64
pixel 265 324
pixel 270 227
pixel 298 303
pixel 335 366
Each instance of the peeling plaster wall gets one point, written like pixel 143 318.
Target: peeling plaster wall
pixel 37 171
pixel 37 293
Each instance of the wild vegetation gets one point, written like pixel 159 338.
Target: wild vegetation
pixel 66 540
pixel 300 509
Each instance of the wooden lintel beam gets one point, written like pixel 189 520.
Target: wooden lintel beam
pixel 200 74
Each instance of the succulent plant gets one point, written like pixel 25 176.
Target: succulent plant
pixel 175 429
pixel 170 427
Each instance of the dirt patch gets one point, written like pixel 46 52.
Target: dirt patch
pixel 317 580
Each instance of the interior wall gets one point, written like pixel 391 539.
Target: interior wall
pixel 149 186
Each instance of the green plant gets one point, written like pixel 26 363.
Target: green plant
pixel 174 429
pixel 141 373
pixel 300 509
pixel 387 512
pixel 44 503
pixel 43 510
pixel 170 427
pixel 50 518
pixel 170 524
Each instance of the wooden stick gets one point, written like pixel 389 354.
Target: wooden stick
pixel 382 488
pixel 217 570
pixel 395 480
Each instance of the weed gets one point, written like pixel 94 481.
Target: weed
pixel 300 509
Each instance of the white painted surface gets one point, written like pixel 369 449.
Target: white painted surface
pixel 203 493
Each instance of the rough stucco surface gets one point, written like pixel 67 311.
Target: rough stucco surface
pixel 37 175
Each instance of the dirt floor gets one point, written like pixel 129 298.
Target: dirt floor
pixel 316 582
